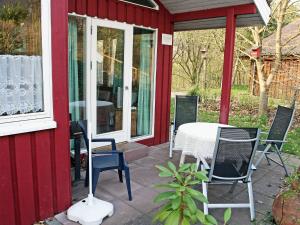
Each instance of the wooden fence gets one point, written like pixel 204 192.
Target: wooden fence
pixel 284 83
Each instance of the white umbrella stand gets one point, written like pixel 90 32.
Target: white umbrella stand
pixel 90 211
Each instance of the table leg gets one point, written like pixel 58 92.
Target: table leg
pixel 182 158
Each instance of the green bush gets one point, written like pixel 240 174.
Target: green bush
pixel 195 91
pixel 180 201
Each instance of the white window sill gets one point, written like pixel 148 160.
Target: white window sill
pixel 26 126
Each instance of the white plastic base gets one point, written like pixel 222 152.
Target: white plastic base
pixel 90 214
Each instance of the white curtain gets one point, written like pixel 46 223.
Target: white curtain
pixel 21 84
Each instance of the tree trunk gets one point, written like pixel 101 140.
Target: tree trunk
pixel 263 89
pixel 263 100
pixel 295 98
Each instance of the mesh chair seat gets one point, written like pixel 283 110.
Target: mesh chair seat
pixel 277 136
pixel 232 161
pixel 262 147
pixel 186 111
pixel 234 152
pixel 280 125
pixel 226 170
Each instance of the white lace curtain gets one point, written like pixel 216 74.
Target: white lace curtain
pixel 21 84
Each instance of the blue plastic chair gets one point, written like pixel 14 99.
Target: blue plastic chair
pixel 106 160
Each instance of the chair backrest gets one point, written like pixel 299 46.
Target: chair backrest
pixel 281 124
pixel 186 110
pixel 234 152
pixel 83 126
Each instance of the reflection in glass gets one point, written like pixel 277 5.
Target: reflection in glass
pixel 77 68
pixel 142 82
pixel 110 66
pixel 21 72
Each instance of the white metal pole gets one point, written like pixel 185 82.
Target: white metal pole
pixel 89 133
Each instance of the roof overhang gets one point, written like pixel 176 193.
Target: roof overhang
pixel 203 14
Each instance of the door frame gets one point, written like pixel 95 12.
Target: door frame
pixel 90 65
pixel 124 134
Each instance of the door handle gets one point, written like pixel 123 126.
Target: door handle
pixel 126 88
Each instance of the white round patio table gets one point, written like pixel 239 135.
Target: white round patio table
pixel 197 139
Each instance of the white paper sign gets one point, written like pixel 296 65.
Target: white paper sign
pixel 167 39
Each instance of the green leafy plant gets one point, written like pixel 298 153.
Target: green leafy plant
pixel 180 200
pixel 293 184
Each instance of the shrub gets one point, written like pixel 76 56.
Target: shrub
pixel 180 201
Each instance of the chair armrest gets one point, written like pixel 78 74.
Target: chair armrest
pixel 253 167
pixel 274 141
pixel 108 153
pixel 103 140
pixel 203 161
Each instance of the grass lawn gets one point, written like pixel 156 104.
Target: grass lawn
pixel 239 119
pixel 293 140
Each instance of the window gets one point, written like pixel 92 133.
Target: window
pixel 143 80
pixel 145 3
pixel 77 67
pixel 25 64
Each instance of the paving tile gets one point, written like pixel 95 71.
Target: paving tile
pixel 116 188
pixel 148 162
pixel 267 181
pixel 269 186
pixel 147 177
pixel 102 194
pixel 164 145
pixel 63 220
pixel 123 213
pixel 52 221
pixel 143 200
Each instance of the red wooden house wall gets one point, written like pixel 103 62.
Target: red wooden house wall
pixel 35 167
pixel 141 16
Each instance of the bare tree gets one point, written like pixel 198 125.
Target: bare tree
pixel 189 56
pixel 279 14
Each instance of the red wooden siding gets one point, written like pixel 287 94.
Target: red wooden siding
pixel 141 16
pixel 35 167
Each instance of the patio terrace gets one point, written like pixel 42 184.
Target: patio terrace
pixel 267 181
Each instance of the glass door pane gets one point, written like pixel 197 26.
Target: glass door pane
pixel 142 82
pixel 77 68
pixel 109 79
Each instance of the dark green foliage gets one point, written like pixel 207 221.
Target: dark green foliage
pixel 181 199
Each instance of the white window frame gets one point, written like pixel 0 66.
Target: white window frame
pixel 154 3
pixel 30 122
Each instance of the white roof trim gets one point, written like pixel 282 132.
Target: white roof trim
pixel 154 3
pixel 264 10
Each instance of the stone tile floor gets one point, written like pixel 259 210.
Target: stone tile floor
pixel 267 182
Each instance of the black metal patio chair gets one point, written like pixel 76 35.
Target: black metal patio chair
pixel 106 160
pixel 186 111
pixel 232 163
pixel 277 136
